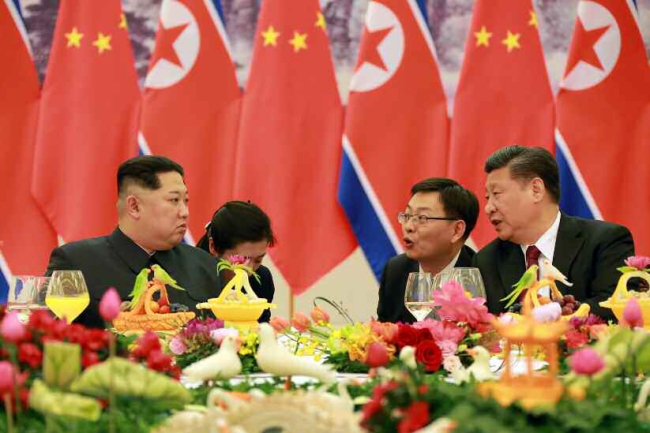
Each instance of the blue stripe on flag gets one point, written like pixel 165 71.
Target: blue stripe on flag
pixel 20 11
pixel 219 8
pixel 4 288
pixel 572 201
pixel 423 8
pixel 369 231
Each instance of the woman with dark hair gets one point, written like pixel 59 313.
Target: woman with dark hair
pixel 241 228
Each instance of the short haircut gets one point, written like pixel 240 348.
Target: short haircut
pixel 527 163
pixel 143 171
pixel 234 223
pixel 458 202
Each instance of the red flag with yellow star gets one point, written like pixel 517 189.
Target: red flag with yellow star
pixel 26 237
pixel 191 103
pixel 504 96
pixel 290 137
pixel 88 118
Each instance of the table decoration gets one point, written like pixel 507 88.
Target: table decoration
pixel 636 267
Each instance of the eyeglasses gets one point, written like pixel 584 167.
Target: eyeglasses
pixel 403 218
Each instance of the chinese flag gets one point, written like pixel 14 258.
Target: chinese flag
pixel 290 141
pixel 191 104
pixel 88 118
pixel 503 96
pixel 26 237
pixel 603 118
pixel 397 128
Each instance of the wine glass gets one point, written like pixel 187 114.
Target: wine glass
pixel 67 294
pixel 417 297
pixel 470 279
pixel 26 294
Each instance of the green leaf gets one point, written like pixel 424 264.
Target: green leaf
pixel 61 364
pixel 625 269
pixel 49 402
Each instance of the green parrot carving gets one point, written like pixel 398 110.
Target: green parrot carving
pixel 139 287
pixel 528 279
pixel 161 275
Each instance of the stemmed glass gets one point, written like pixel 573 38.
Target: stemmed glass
pixel 417 297
pixel 26 294
pixel 67 294
pixel 470 279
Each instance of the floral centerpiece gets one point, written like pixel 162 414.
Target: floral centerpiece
pixel 636 267
pixel 201 338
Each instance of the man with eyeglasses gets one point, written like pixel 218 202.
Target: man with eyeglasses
pixel 437 221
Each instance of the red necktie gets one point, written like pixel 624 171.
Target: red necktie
pixel 532 258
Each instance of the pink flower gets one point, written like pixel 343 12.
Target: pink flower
pixel 639 262
pixel 237 259
pixel 177 346
pixel 300 322
pixel 109 306
pixel 387 331
pixel 377 355
pixel 219 334
pixel 547 313
pixel 587 362
pixel 447 347
pixel 7 377
pixel 457 307
pixel 280 324
pixel 632 315
pixel 11 328
pixel 319 315
pixel 441 331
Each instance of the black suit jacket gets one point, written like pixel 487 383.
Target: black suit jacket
pixel 392 288
pixel 115 261
pixel 587 252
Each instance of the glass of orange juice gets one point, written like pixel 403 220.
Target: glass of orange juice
pixel 67 295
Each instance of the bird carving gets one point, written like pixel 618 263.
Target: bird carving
pixel 548 271
pixel 224 364
pixel 275 359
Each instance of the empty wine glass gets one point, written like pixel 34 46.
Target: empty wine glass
pixel 67 294
pixel 417 297
pixel 26 294
pixel 471 281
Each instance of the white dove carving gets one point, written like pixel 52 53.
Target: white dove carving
pixel 224 364
pixel 547 270
pixel 275 359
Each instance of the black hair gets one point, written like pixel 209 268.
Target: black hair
pixel 143 171
pixel 458 202
pixel 527 163
pixel 234 223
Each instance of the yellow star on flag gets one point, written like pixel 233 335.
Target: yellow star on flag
pixel 320 22
pixel 103 43
pixel 122 21
pixel 533 19
pixel 270 36
pixel 483 37
pixel 299 41
pixel 512 41
pixel 74 38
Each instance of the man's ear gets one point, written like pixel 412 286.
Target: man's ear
pixel 213 251
pixel 538 188
pixel 459 230
pixel 133 206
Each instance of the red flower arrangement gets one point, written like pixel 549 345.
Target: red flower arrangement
pixel 149 351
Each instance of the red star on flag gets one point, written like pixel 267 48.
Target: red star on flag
pixel 369 51
pixel 165 44
pixel 588 38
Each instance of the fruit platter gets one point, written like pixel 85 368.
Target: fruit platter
pixel 622 295
pixel 149 308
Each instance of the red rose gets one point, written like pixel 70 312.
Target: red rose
pixel 30 354
pixel 576 339
pixel 41 320
pixel 407 336
pixel 415 417
pixel 369 410
pixel 377 355
pixel 158 361
pixel 428 353
pixel 424 334
pixel 95 339
pixel 89 358
pixel 146 344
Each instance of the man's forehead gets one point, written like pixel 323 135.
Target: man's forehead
pixel 424 201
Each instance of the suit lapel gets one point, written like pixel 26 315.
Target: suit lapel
pixel 511 265
pixel 567 245
pixel 128 251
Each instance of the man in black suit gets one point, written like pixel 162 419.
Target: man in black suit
pixel 523 195
pixel 438 220
pixel 152 220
